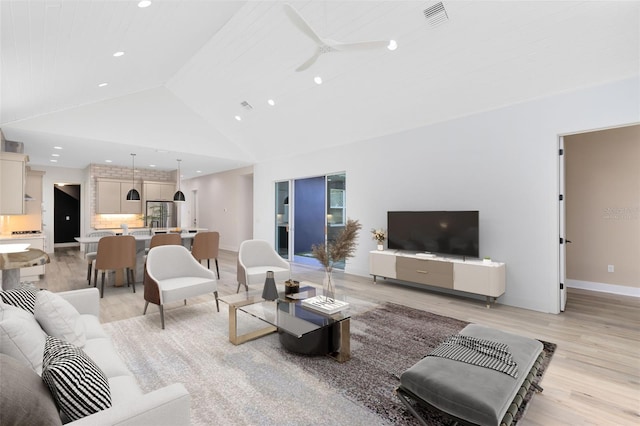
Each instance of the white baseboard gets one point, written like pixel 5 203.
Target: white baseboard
pixel 604 288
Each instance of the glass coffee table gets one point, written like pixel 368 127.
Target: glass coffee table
pixel 301 329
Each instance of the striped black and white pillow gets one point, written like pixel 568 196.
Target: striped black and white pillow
pixel 23 297
pixel 77 384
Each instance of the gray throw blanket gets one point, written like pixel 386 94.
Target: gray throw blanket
pixel 480 352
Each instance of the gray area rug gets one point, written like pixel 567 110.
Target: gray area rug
pixel 259 383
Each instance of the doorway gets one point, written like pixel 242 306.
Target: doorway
pixel 66 214
pixel 309 211
pixel 599 211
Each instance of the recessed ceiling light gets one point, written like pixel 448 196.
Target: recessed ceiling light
pixel 144 3
pixel 237 117
pixel 118 54
pixel 57 147
pixel 152 165
pixel 198 171
pixel 271 102
pixel 107 161
pixel 392 45
pixel 55 155
pixel 53 161
pixel 317 79
pixel 103 84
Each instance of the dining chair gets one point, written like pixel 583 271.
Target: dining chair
pixel 117 252
pixel 91 250
pixel 205 246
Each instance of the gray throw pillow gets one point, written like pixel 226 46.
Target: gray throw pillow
pixel 24 398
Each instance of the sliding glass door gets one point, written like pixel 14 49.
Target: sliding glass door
pixel 309 211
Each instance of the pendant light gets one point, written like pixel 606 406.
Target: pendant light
pixel 133 194
pixel 178 197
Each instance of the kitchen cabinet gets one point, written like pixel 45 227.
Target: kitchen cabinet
pixel 111 197
pixel 12 183
pixel 159 191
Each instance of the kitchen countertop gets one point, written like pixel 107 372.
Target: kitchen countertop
pixel 10 237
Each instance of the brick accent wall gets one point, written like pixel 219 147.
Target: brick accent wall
pixel 102 221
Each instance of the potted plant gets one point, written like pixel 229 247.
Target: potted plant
pixel 379 235
pixel 341 249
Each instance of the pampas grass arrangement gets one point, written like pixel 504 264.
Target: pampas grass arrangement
pixel 343 248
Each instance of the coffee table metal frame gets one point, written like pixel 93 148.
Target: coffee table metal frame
pixel 238 301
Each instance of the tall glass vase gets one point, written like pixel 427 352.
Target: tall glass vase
pixel 328 289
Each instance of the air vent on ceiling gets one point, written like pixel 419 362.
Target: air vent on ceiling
pixel 436 14
pixel 246 105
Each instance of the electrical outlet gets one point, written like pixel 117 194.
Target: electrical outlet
pixel 610 268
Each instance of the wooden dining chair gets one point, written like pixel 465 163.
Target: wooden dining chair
pixel 91 250
pixel 205 246
pixel 118 252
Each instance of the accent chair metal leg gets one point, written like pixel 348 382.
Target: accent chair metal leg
pixel 215 293
pixel 217 269
pixel 161 316
pixel 133 280
pixel 245 286
pixel 208 263
pixel 95 277
pixel 89 273
pixel 146 304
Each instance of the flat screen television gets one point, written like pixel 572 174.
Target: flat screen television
pixel 442 232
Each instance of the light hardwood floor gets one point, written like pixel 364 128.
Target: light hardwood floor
pixel 593 378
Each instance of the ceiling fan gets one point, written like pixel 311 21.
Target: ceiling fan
pixel 325 45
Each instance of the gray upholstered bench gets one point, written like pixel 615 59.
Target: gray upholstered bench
pixel 468 393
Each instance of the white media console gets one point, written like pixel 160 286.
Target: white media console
pixel 471 276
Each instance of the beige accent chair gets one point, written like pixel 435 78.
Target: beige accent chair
pixel 174 274
pixel 205 246
pixel 255 258
pixel 117 252
pixel 91 250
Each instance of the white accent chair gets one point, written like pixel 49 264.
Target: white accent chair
pixel 255 258
pixel 173 274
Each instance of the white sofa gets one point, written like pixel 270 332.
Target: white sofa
pixel 130 406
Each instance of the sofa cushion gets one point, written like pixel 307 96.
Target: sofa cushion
pixel 23 297
pixel 24 398
pixel 77 384
pixel 59 318
pixel 21 336
pixel 92 327
pixel 104 354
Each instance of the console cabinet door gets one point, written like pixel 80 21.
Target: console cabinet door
pixel 382 264
pixel 480 279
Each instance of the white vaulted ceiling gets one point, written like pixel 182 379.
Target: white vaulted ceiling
pixel 188 66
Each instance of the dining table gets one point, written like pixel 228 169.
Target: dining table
pixel 142 243
pixel 13 257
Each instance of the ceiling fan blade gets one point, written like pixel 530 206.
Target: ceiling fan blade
pixel 363 45
pixel 301 24
pixel 309 61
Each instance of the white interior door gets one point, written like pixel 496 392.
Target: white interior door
pixel 562 275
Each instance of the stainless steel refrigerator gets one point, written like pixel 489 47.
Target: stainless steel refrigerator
pixel 160 214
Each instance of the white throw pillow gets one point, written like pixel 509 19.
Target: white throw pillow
pixel 58 318
pixel 21 336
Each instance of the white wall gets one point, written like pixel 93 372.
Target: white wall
pixel 503 163
pixel 225 204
